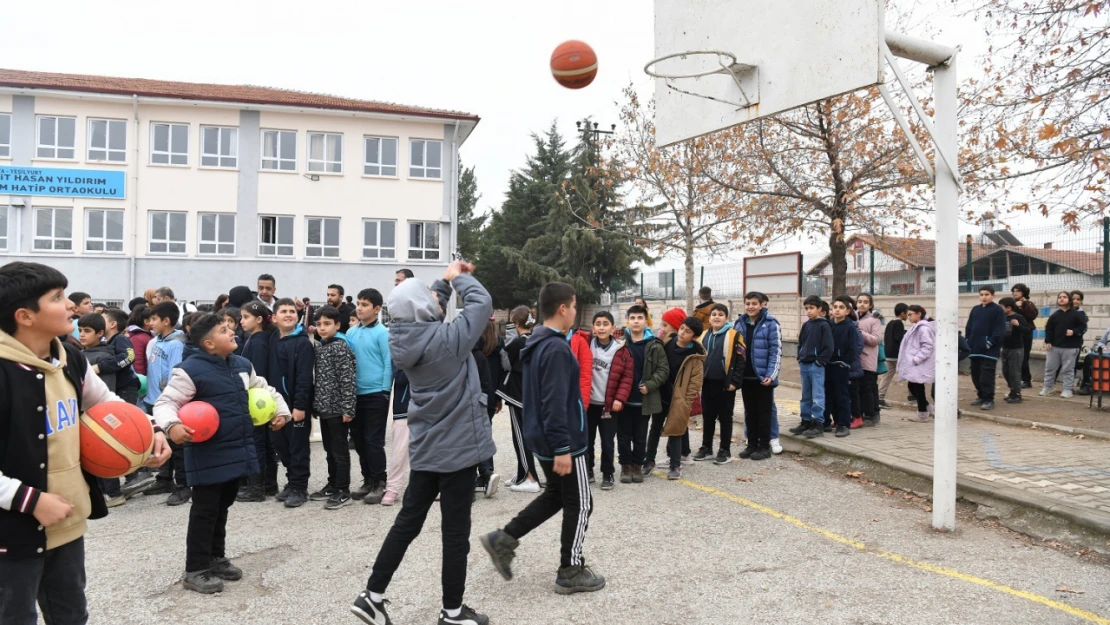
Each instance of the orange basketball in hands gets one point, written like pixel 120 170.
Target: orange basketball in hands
pixel 574 64
pixel 116 439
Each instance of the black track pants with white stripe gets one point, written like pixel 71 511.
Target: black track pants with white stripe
pixel 569 493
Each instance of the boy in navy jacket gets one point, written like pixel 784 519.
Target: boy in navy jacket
pixel 214 467
pixel 815 350
pixel 555 427
pixel 296 362
pixel 986 326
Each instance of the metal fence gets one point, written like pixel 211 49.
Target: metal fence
pixel 1045 259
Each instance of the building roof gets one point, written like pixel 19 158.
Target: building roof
pixel 245 94
pixel 921 253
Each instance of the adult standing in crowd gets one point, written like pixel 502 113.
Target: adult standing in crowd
pixel 267 287
pixel 701 311
pixel 402 275
pixel 892 342
pixel 1028 310
pixel 149 295
pixel 335 298
pixel 220 303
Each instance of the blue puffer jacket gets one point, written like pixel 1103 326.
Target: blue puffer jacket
pixel 230 453
pixel 764 345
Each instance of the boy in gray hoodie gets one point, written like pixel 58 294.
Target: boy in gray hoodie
pixel 449 432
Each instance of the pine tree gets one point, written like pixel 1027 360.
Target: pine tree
pixel 470 225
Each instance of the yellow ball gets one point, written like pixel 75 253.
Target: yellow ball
pixel 262 405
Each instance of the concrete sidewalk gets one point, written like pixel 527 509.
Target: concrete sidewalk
pixel 1066 475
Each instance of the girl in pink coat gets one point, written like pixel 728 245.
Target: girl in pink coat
pixel 917 360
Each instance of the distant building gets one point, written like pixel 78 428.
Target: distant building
pixel 907 266
pixel 125 184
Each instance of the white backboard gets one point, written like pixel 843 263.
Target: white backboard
pixel 774 274
pixel 803 51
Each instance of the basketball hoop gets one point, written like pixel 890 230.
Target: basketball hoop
pixel 728 67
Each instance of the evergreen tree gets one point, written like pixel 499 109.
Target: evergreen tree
pixel 470 225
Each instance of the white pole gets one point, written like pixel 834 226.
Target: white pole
pixel 947 300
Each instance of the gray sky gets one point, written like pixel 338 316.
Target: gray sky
pixel 488 57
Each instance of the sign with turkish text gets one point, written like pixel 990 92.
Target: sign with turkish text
pixel 62 182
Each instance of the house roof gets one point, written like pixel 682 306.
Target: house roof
pixel 246 94
pixel 921 253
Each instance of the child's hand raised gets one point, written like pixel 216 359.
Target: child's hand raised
pixel 455 268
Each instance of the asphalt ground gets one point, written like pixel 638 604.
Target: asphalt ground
pixel 782 540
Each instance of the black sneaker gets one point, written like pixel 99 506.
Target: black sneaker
pixel 911 398
pixel 746 452
pixel 179 496
pixel 800 429
pixel 203 582
pixel 987 405
pixel 870 423
pixel 674 474
pixel 826 428
pixel 1013 399
pixel 637 474
pixel 370 612
pixel 648 468
pixel 224 569
pixel 160 487
pixel 761 454
pixel 1083 390
pixel 338 499
pixel 501 549
pixel 296 499
pixel 607 481
pixel 137 482
pixel 884 404
pixel 723 457
pixel 977 402
pixel 323 494
pixel 466 616
pixel 572 579
pixel 842 431
pixel 361 491
pixel 815 431
pixel 375 495
pixel 590 476
pixel 284 494
pixel 626 474
pixel 703 454
pixel 1026 385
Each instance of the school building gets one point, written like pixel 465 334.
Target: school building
pixel 125 184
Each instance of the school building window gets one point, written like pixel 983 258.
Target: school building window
pixel 57 137
pixel 426 158
pixel 54 229
pixel 169 144
pixel 3 228
pixel 325 152
pixel 5 135
pixel 103 230
pixel 424 240
pixel 379 238
pixel 107 140
pixel 167 232
pixel 322 238
pixel 381 156
pixel 279 150
pixel 219 147
pixel 217 234
pixel 857 259
pixel 275 236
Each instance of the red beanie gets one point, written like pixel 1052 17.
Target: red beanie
pixel 674 317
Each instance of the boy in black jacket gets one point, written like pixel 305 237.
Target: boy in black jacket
pixel 127 383
pixel 1013 347
pixel 43 521
pixel 815 349
pixel 296 361
pixel 554 424
pixel 845 351
pixel 334 404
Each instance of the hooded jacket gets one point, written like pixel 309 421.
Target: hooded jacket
pixel 618 386
pixel 845 343
pixel 702 310
pixel 765 345
pixel 815 343
pixel 580 347
pixel 654 374
pixel 101 355
pixel 139 338
pixel 554 417
pixel 43 454
pixel 986 325
pixel 296 366
pixel 728 345
pixel 1015 335
pixel 449 428
pixel 1056 329
pixel 334 392
pixel 163 354
pixel 371 347
pixel 872 330
pixel 400 395
pixel 121 364
pixel 511 385
pixel 686 387
pixel 917 356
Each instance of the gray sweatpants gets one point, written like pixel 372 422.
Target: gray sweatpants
pixel 1060 361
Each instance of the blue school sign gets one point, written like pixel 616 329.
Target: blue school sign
pixel 62 182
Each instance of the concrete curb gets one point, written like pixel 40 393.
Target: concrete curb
pixel 1090 519
pixel 1022 423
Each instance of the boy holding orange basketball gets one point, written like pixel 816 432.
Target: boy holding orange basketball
pixel 45 385
pixel 214 467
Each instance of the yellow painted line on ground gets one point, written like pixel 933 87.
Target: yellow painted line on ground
pixel 900 559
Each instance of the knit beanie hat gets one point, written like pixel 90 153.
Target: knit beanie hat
pixel 674 317
pixel 135 303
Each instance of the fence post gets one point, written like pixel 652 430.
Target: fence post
pixel 969 275
pixel 641 285
pixel 701 282
pixel 1106 251
pixel 872 265
pixel 672 283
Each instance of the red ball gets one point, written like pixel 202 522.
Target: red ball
pixel 202 417
pixel 574 64
pixel 116 439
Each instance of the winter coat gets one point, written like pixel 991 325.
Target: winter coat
pixel 1056 329
pixel 856 370
pixel 121 364
pixel 580 347
pixel 511 384
pixel 296 366
pixel 845 344
pixel 985 327
pixel 892 337
pixel 101 355
pixel 815 343
pixel 334 393
pixel 554 417
pixel 225 384
pixel 734 352
pixel 163 355
pixel 140 338
pixel 1029 311
pixel 261 349
pixel 400 395
pixel 1015 335
pixel 449 428
pixel 765 346
pixel 917 354
pixel 701 312
pixel 687 387
pixel 619 386
pixel 872 330
pixel 655 371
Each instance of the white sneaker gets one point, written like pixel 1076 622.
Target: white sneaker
pixel 1066 394
pixel 776 447
pixel 316 436
pixel 527 486
pixel 1045 392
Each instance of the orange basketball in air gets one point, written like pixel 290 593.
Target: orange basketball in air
pixel 116 439
pixel 574 64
